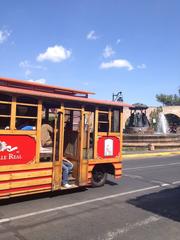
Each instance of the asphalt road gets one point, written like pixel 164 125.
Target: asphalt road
pixel 144 204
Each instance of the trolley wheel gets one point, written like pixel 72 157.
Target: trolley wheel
pixel 99 176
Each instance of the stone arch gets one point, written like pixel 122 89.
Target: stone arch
pixel 172 119
pixel 175 110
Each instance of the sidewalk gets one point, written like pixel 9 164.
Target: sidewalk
pixel 155 153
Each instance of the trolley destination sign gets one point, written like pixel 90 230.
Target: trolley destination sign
pixel 16 150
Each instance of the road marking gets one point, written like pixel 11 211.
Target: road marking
pixel 129 227
pixel 151 166
pixel 177 182
pixel 5 220
pixel 144 155
pixel 165 184
pixel 133 176
pixel 162 184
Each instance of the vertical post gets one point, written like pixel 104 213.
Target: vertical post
pixel 81 138
pixel 38 130
pixel 96 132
pixel 110 122
pixel 61 143
pixel 55 136
pixel 61 127
pixel 58 149
pixel 88 133
pixel 121 133
pixel 13 114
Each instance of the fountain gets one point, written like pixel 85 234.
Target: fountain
pixel 162 125
pixel 138 121
pixel 139 133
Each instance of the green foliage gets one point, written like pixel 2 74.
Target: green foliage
pixel 168 100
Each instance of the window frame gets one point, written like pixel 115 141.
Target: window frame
pixel 109 122
pixel 13 114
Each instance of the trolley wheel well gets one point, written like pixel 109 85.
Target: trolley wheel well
pixel 108 167
pixel 99 174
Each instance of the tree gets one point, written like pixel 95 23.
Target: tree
pixel 169 100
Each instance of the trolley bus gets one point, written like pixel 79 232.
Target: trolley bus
pixel 85 131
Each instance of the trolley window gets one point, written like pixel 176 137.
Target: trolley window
pixel 103 122
pixel 26 114
pixel 5 111
pixel 115 121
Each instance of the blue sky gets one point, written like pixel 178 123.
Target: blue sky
pixel 104 46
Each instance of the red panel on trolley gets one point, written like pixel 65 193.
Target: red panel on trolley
pixel 16 149
pixel 108 147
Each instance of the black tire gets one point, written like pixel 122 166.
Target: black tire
pixel 99 177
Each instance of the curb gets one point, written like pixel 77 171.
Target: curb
pixel 155 154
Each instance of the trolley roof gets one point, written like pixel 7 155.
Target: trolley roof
pixel 47 91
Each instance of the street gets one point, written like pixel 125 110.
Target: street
pixel 143 204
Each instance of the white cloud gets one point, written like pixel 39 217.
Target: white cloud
pixel 54 54
pixel 118 63
pixel 118 41
pixel 28 72
pixel 142 66
pixel 108 51
pixel 4 34
pixel 27 66
pixel 41 80
pixel 85 83
pixel 24 64
pixel 92 35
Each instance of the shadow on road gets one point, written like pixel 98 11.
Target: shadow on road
pixel 165 203
pixel 111 183
pixel 37 196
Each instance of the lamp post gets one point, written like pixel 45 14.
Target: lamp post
pixel 117 97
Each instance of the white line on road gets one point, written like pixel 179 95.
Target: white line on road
pixel 177 182
pixel 162 184
pixel 5 220
pixel 129 227
pixel 133 176
pixel 165 184
pixel 152 166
